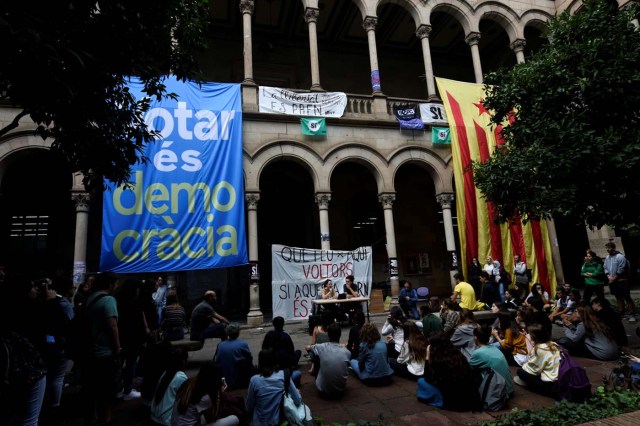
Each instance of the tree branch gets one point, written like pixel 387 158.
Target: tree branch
pixel 9 127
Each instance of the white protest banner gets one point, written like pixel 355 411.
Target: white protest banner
pixel 433 113
pixel 299 273
pixel 274 100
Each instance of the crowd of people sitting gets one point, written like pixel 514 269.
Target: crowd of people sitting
pixel 441 347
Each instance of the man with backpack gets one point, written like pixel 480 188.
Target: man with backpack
pixel 617 267
pixel 101 365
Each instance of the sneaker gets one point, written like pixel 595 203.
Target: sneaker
pixel 632 318
pixel 134 394
pixel 120 394
pixel 518 381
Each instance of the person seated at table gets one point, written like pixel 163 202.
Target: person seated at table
pixel 372 367
pixel 408 299
pixel 329 293
pixel 352 291
pixel 332 374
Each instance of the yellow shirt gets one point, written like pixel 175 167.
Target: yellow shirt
pixel 467 296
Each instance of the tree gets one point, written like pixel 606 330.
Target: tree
pixel 572 142
pixel 65 64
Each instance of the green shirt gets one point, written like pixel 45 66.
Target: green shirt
pixel 431 323
pixel 99 312
pixel 597 273
pixel 491 357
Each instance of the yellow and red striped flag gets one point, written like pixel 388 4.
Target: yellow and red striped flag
pixel 473 139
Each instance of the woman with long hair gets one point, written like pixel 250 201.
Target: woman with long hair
pixel 475 268
pixel 450 317
pixel 174 318
pixel 393 332
pixel 201 397
pixel 513 343
pixel 166 392
pixel 266 389
pixel 540 373
pixel 538 291
pixel 449 382
pixel 413 355
pixel 371 366
pixel 591 337
pixel 462 337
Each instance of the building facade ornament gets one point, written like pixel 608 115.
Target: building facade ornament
pixel 323 199
pixel 247 6
pixel 311 15
pixel 446 199
pixel 387 200
pixel 369 23
pixel 81 200
pixel 423 31
pixel 518 45
pixel 252 198
pixel 472 39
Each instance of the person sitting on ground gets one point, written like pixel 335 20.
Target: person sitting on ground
pixel 496 308
pixel 173 319
pixel 538 316
pixel 538 291
pixel 331 379
pixel 234 356
pixel 413 355
pixel 320 335
pixel 512 342
pixel 430 323
pixel 392 331
pixel 591 337
pixel 371 367
pixel 607 315
pixel 561 305
pixel 171 380
pixel 408 298
pixel 280 342
pixel 488 356
pixel 511 300
pixel 449 316
pixel 205 321
pixel 462 337
pixel 353 344
pixel 490 294
pixel 540 373
pixel 572 303
pixel 201 396
pixel 466 293
pixel 449 381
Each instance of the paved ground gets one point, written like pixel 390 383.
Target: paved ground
pixel 395 404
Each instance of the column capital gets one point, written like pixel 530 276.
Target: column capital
pixel 369 23
pixel 518 45
pixel 252 198
pixel 472 39
pixel 423 31
pixel 323 199
pixel 446 199
pixel 81 199
pixel 387 199
pixel 311 14
pixel 247 6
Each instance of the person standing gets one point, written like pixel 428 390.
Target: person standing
pixel 474 275
pixel 616 267
pixel 594 277
pixel 160 296
pixel 520 271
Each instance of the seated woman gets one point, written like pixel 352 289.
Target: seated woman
pixel 174 319
pixel 171 380
pixel 605 312
pixel 462 337
pixel 371 366
pixel 201 397
pixel 538 291
pixel 413 355
pixel 393 332
pixel 450 317
pixel 266 390
pixel 512 341
pixel 449 381
pixel 540 373
pixel 591 337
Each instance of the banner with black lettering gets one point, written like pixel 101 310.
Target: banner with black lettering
pixel 274 100
pixel 299 273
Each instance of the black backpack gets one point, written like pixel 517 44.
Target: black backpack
pixel 80 338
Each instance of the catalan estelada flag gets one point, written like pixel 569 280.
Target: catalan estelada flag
pixel 474 139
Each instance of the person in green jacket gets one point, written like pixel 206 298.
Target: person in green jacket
pixel 430 322
pixel 594 277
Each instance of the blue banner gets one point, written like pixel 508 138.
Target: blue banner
pixel 184 209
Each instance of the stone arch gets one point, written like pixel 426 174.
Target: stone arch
pixel 434 165
pixel 503 16
pixel 15 145
pixel 365 7
pixel 416 13
pixel 536 19
pixel 280 150
pixel 361 154
pixel 459 10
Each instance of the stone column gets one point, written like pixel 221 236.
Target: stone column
pixel 423 33
pixel 555 251
pixel 518 47
pixel 323 199
pixel 387 200
pixel 311 17
pixel 369 25
pixel 472 40
pixel 446 202
pixel 246 8
pixel 254 317
pixel 81 200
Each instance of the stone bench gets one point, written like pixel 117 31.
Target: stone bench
pixel 188 345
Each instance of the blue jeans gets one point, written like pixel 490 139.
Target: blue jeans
pixel 55 381
pixel 33 403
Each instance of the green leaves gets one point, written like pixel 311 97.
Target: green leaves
pixel 574 147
